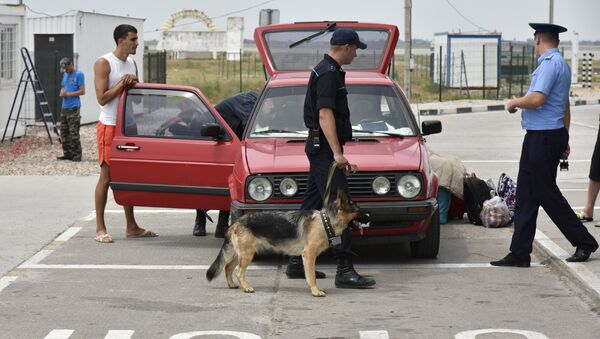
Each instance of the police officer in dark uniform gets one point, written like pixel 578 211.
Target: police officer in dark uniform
pixel 546 116
pixel 327 116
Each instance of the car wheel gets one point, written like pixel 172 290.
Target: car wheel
pixel 430 245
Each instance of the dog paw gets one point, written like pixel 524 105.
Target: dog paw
pixel 248 289
pixel 233 286
pixel 318 293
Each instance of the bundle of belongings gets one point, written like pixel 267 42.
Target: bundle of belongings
pixel 451 173
pixel 490 205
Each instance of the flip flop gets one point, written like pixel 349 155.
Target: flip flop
pixel 144 234
pixel 583 217
pixel 104 238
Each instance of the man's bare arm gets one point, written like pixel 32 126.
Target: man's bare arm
pixel 103 93
pixel 530 101
pixel 80 92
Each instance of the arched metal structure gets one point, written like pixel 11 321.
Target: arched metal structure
pixel 189 14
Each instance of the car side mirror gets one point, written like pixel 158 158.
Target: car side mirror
pixel 431 127
pixel 211 130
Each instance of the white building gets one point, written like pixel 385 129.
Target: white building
pixel 466 58
pixel 209 42
pixel 82 36
pixel 12 35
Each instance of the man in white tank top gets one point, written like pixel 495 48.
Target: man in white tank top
pixel 113 72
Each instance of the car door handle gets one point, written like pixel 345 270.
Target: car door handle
pixel 128 147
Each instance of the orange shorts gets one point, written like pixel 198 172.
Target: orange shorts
pixel 104 136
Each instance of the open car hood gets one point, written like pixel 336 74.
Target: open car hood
pixel 276 45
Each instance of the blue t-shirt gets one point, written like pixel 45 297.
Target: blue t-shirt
pixel 553 78
pixel 72 82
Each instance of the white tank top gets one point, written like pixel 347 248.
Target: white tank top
pixel 118 68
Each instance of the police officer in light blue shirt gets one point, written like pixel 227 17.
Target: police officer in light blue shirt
pixel 546 116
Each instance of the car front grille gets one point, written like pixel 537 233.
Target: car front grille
pixel 359 183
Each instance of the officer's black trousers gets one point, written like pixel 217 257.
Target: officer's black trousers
pixel 315 191
pixel 536 186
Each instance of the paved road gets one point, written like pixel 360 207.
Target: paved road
pixel 155 288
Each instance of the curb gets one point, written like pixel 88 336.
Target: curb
pixel 541 247
pixel 490 108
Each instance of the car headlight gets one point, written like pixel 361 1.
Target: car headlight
pixel 288 187
pixel 381 185
pixel 260 189
pixel 409 186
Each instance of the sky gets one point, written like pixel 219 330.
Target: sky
pixel 509 17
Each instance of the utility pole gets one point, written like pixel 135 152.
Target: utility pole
pixel 551 19
pixel 407 47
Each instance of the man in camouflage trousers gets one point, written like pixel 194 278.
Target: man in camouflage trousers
pixel 72 87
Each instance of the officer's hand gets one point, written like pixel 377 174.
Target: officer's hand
pixel 160 131
pixel 511 107
pixel 341 160
pixel 351 169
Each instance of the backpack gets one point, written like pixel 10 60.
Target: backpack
pixel 507 190
pixel 476 192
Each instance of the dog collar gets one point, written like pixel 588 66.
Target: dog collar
pixel 331 237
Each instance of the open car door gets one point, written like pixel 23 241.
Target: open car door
pixel 300 46
pixel 171 149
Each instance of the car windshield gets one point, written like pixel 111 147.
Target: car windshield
pixel 307 54
pixel 373 108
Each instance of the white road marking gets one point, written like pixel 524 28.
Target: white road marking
pixel 36 258
pixel 5 281
pixel 119 334
pixel 583 125
pixel 251 267
pixel 59 334
pixel 90 216
pixel 510 161
pixel 586 276
pixel 373 334
pixel 66 235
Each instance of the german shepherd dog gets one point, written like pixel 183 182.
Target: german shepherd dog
pixel 290 233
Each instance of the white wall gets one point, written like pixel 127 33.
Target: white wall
pixel 12 15
pixel 93 37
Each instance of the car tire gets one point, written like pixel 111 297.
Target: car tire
pixel 429 246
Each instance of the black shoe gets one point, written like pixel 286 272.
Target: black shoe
pixel 76 158
pixel 580 255
pixel 511 260
pixel 200 224
pixel 221 231
pixel 349 278
pixel 295 270
pixel 64 157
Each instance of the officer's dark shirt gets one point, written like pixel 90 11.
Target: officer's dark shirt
pixel 236 109
pixel 327 89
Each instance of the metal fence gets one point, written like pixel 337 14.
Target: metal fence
pixel 510 76
pixel 155 67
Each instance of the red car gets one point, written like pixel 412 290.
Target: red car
pixel 172 149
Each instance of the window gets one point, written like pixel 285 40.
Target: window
pixel 166 114
pixel 8 63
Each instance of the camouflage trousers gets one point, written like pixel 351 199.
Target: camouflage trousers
pixel 69 132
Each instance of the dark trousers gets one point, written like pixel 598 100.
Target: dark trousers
pixel 536 186
pixel 315 192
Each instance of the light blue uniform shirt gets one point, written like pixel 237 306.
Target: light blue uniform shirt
pixel 553 78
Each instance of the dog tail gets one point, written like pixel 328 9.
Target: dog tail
pixel 219 264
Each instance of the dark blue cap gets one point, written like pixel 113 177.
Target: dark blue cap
pixel 547 28
pixel 346 36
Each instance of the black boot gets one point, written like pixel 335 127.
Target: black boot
pixel 222 224
pixel 200 225
pixel 295 269
pixel 346 276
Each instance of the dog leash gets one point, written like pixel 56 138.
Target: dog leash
pixel 331 237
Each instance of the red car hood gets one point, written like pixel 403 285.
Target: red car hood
pixel 277 155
